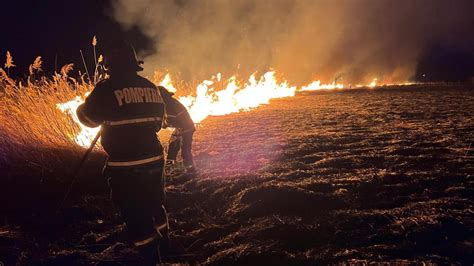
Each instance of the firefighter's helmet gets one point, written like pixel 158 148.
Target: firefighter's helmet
pixel 120 55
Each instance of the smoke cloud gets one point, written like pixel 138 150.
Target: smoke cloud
pixel 351 41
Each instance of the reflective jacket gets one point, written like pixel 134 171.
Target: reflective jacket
pixel 130 110
pixel 177 115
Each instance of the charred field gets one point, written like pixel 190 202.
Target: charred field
pixel 327 177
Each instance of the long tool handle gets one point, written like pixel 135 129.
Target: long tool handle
pixel 78 168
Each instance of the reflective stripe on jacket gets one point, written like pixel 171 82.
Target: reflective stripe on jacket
pixel 131 110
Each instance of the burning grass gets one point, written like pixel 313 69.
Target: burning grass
pixel 40 111
pixel 31 123
pixel 321 178
pixel 329 177
pixel 38 118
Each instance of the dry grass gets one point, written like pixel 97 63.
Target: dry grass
pixel 30 120
pixel 33 129
pixel 321 178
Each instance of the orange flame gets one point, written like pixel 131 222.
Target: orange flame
pixel 235 97
pixel 85 137
pixel 316 85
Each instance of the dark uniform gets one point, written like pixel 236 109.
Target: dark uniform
pixel 131 110
pixel 177 116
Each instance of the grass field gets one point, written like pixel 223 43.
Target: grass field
pixel 324 177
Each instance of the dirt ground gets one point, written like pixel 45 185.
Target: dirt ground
pixel 382 175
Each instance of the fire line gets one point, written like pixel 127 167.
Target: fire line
pixel 235 97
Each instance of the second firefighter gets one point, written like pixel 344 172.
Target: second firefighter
pixel 178 117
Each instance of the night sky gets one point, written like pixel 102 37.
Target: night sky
pixel 57 30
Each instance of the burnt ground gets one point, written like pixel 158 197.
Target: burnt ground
pixel 379 175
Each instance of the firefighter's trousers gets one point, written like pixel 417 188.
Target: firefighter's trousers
pixel 139 194
pixel 181 140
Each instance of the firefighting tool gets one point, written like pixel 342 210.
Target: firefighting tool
pixel 78 168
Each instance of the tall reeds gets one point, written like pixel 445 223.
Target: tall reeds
pixel 29 117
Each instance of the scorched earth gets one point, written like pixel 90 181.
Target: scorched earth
pixel 324 177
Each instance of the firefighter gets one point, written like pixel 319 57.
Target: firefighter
pixel 177 116
pixel 130 110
